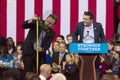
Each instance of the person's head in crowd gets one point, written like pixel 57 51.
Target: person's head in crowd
pixel 10 45
pixel 4 51
pixel 29 75
pixel 35 78
pixel 58 76
pixel 10 42
pixel 45 70
pixel 62 47
pixel 116 55
pixel 7 77
pixel 117 0
pixel 88 18
pixel 70 58
pixel 18 49
pixel 111 44
pixel 2 40
pixel 55 46
pixel 19 46
pixel 117 47
pixel 14 73
pixel 107 77
pixel 69 38
pixel 50 21
pixel 60 38
pixel 115 76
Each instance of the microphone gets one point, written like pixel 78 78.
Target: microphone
pixel 86 35
pixel 89 35
pixel 87 32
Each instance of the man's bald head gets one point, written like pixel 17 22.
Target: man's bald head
pixel 44 68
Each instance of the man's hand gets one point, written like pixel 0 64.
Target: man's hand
pixel 34 17
pixel 39 49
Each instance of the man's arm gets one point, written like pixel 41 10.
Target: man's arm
pixel 75 34
pixel 47 40
pixel 102 35
pixel 31 23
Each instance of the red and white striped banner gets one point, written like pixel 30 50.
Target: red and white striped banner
pixel 69 12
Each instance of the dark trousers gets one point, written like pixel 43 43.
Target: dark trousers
pixel 41 59
pixel 29 63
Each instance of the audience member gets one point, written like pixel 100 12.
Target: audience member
pixel 69 40
pixel 2 41
pixel 6 60
pixel 58 58
pixel 107 77
pixel 45 37
pixel 60 38
pixel 45 72
pixel 59 76
pixel 70 69
pixel 10 45
pixel 29 75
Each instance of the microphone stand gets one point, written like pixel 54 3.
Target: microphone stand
pixel 88 35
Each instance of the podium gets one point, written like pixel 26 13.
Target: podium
pixel 88 55
pixel 88 70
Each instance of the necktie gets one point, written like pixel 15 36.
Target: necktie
pixel 60 59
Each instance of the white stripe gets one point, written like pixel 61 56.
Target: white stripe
pixel 101 13
pixel 11 19
pixel 83 6
pixel 65 17
pixel 47 8
pixel 29 11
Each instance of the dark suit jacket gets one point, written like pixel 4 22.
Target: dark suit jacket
pixel 28 45
pixel 98 32
pixel 55 58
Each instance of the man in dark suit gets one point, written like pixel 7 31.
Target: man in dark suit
pixel 45 37
pixel 58 58
pixel 89 32
pixel 94 30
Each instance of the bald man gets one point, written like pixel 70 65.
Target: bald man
pixel 58 76
pixel 45 71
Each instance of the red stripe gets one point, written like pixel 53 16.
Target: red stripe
pixel 39 8
pixel 20 18
pixel 92 7
pixel 3 18
pixel 109 19
pixel 0 17
pixel 56 10
pixel 73 14
pixel 118 12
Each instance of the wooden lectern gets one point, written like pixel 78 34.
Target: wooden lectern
pixel 88 70
pixel 89 58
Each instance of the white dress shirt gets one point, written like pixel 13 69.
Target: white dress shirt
pixel 88 34
pixel 42 77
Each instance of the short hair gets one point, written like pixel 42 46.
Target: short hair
pixel 63 43
pixel 58 76
pixel 89 14
pixel 53 16
pixel 29 75
pixel 61 36
pixel 112 42
pixel 69 35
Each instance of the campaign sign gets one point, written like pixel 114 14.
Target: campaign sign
pixel 97 48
